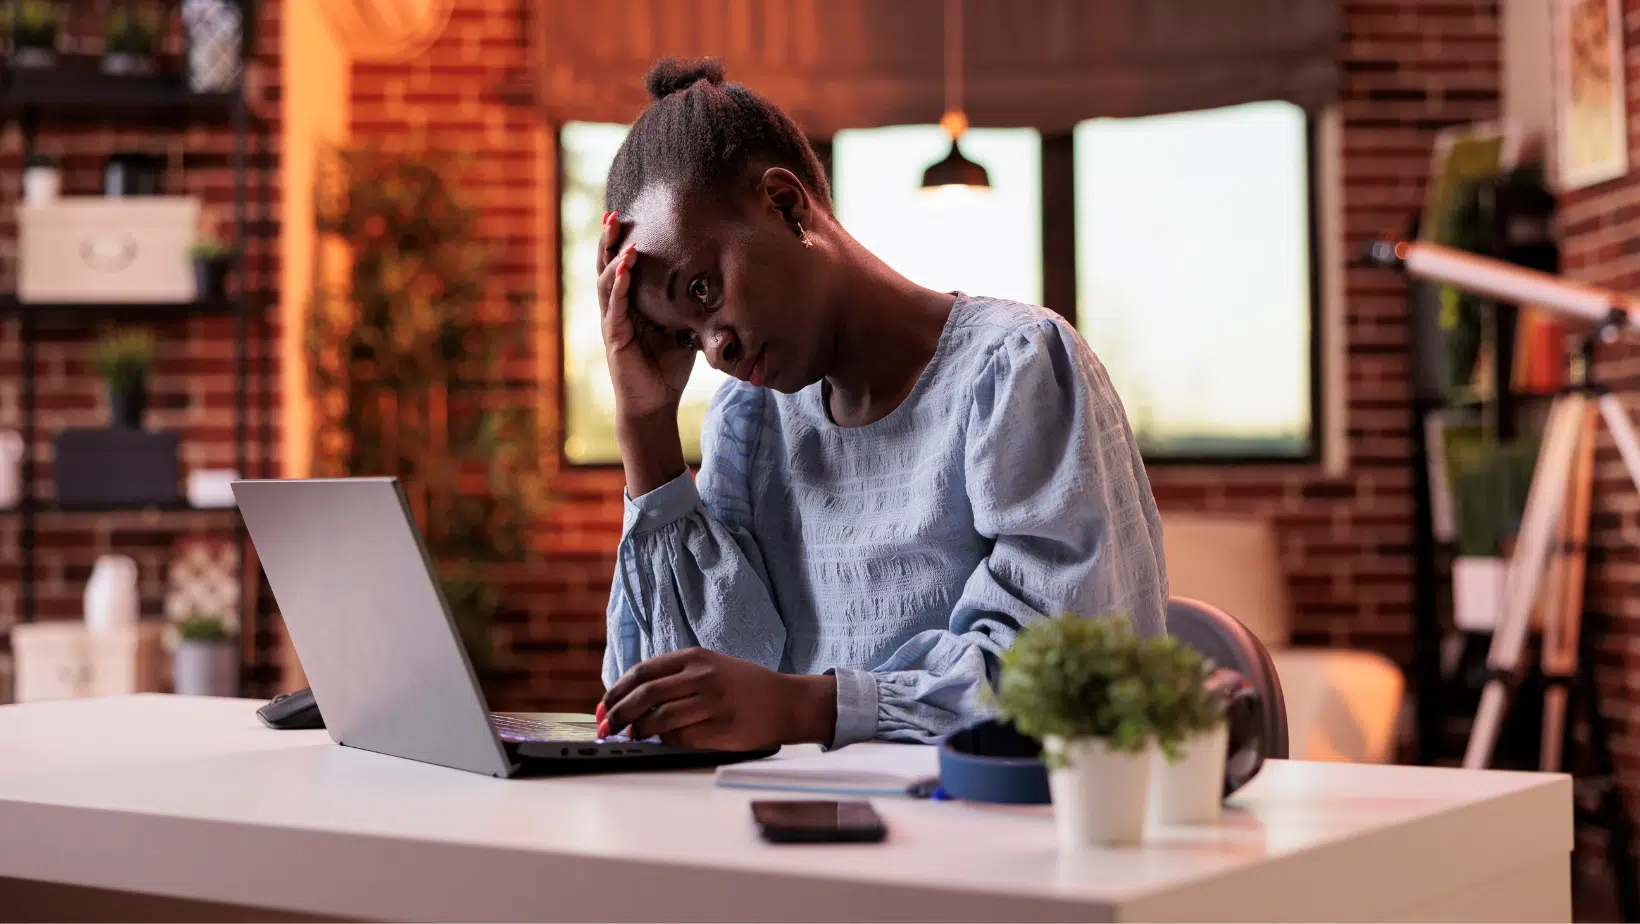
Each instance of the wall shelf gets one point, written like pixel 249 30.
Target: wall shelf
pixel 47 312
pixel 76 91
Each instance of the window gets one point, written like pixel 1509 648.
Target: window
pixel 1193 264
pixel 586 151
pixel 951 240
pixel 1194 277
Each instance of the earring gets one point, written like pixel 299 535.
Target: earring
pixel 803 236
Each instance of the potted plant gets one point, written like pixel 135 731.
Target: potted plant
pixel 34 28
pixel 42 181
pixel 1077 685
pixel 205 662
pixel 212 258
pixel 123 361
pixel 1188 715
pixel 1489 481
pixel 130 41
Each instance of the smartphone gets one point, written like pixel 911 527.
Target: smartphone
pixel 818 822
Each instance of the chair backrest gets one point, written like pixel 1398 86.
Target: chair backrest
pixel 1235 561
pixel 1229 644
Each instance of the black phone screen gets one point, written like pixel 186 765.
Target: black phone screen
pixel 818 822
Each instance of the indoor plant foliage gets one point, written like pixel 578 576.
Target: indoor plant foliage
pixel 130 41
pixel 33 25
pixel 406 371
pixel 1489 481
pixel 123 361
pixel 212 258
pixel 1079 686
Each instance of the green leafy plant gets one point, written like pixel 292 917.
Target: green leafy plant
pixel 1489 481
pixel 1181 704
pixel 1074 678
pixel 205 629
pixel 33 24
pixel 210 248
pixel 123 360
pixel 406 361
pixel 131 31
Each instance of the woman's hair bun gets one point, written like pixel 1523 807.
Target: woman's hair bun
pixel 670 75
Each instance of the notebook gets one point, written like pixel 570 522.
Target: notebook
pixel 872 768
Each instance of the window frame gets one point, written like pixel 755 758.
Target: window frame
pixel 1058 211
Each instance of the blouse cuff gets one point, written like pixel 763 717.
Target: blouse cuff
pixel 663 506
pixel 856 707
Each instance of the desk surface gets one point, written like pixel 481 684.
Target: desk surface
pixel 193 798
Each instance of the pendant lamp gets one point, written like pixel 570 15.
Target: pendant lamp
pixel 955 171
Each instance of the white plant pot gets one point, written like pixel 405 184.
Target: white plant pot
pixel 205 668
pixel 1100 795
pixel 1477 592
pixel 42 185
pixel 1191 791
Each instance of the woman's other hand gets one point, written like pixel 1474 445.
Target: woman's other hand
pixel 699 698
pixel 649 373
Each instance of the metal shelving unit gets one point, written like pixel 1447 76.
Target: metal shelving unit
pixel 77 98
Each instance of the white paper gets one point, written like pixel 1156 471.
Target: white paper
pixel 868 768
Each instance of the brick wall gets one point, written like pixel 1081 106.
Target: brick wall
pixel 192 380
pixel 1411 68
pixel 1600 237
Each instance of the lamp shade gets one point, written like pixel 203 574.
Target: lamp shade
pixel 955 170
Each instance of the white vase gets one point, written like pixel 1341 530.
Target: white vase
pixel 42 185
pixel 111 597
pixel 1477 591
pixel 1099 795
pixel 1191 790
pixel 11 468
pixel 205 668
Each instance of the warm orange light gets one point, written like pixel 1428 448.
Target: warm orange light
pixel 955 122
pixel 1401 250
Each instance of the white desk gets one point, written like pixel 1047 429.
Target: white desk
pixel 192 799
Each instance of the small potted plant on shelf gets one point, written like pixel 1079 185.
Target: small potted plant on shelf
pixel 123 361
pixel 1078 685
pixel 34 28
pixel 1489 481
pixel 206 661
pixel 1188 715
pixel 131 39
pixel 212 258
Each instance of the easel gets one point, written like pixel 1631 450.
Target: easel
pixel 1556 522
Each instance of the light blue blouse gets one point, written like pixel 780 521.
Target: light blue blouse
pixel 904 555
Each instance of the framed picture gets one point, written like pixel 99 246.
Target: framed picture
pixel 1591 131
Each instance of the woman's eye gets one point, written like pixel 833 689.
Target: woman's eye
pixel 699 290
pixel 686 339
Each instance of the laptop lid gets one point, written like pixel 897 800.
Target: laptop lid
pixel 367 617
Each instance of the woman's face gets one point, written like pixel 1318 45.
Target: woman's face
pixel 733 280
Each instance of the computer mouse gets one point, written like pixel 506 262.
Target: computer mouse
pixel 292 710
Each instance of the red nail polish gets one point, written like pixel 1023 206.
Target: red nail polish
pixel 599 712
pixel 607 216
pixel 603 728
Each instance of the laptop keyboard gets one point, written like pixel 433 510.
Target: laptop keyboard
pixel 518 728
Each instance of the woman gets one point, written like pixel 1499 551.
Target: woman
pixel 899 480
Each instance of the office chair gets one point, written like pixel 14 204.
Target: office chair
pixel 1260 733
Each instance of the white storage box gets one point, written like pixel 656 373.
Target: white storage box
pixel 97 249
pixel 51 660
pixel 66 660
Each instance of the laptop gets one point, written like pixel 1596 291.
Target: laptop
pixel 362 603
